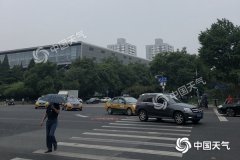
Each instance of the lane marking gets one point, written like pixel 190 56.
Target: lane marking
pixel 220 117
pixel 140 128
pixel 143 124
pixel 17 158
pixel 130 136
pixel 124 141
pixel 151 133
pixel 122 149
pixel 81 156
pixel 79 115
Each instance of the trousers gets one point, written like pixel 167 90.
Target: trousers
pixel 51 126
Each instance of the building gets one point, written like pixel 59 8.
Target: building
pixel 123 47
pixel 63 55
pixel 158 47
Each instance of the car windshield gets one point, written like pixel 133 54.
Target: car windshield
pixel 42 99
pixel 130 100
pixel 73 100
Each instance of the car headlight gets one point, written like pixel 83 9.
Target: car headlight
pixel 220 106
pixel 187 110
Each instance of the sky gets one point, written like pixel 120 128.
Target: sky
pixel 32 23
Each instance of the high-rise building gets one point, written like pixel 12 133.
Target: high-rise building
pixel 158 47
pixel 123 47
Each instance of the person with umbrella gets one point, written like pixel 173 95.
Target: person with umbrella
pixel 51 114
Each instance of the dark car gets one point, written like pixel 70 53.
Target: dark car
pixel 231 109
pixel 159 105
pixel 93 101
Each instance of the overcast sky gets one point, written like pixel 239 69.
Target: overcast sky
pixel 29 23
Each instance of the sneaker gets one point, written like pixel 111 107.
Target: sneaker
pixel 48 151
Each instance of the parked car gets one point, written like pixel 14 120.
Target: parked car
pixel 41 103
pixel 231 109
pixel 159 105
pixel 10 102
pixel 72 104
pixel 105 99
pixel 93 101
pixel 121 104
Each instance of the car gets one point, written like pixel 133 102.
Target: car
pixel 231 109
pixel 93 101
pixel 10 102
pixel 121 104
pixel 105 99
pixel 72 103
pixel 159 105
pixel 41 103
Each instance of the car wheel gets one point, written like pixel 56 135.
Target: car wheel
pixel 143 116
pixel 195 121
pixel 109 110
pixel 179 118
pixel 159 119
pixel 129 112
pixel 36 108
pixel 230 112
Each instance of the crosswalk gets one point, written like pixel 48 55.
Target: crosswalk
pixel 124 139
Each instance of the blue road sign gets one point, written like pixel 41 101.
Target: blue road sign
pixel 162 79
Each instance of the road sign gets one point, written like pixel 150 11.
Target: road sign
pixel 162 79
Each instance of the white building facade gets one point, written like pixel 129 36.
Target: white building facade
pixel 123 47
pixel 158 47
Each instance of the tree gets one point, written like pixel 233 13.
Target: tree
pixel 221 46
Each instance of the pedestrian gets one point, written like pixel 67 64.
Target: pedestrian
pixel 51 114
pixel 229 100
pixel 22 101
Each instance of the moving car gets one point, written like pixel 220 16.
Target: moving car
pixel 105 99
pixel 159 105
pixel 121 104
pixel 10 102
pixel 231 109
pixel 93 101
pixel 41 103
pixel 72 104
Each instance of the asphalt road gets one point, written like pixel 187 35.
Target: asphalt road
pixel 92 134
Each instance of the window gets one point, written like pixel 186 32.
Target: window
pixel 115 100
pixel 91 49
pixel 147 99
pixel 102 51
pixel 121 101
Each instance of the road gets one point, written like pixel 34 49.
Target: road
pixel 92 134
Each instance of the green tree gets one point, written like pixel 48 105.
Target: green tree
pixel 220 46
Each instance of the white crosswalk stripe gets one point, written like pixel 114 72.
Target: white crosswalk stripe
pixel 17 158
pixel 129 136
pixel 122 149
pixel 142 128
pixel 124 141
pixel 148 125
pixel 220 117
pixel 82 156
pixel 150 133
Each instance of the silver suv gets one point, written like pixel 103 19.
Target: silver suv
pixel 159 105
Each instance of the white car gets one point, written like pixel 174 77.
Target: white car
pixel 105 99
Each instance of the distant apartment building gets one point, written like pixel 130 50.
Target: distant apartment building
pixel 158 47
pixel 123 47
